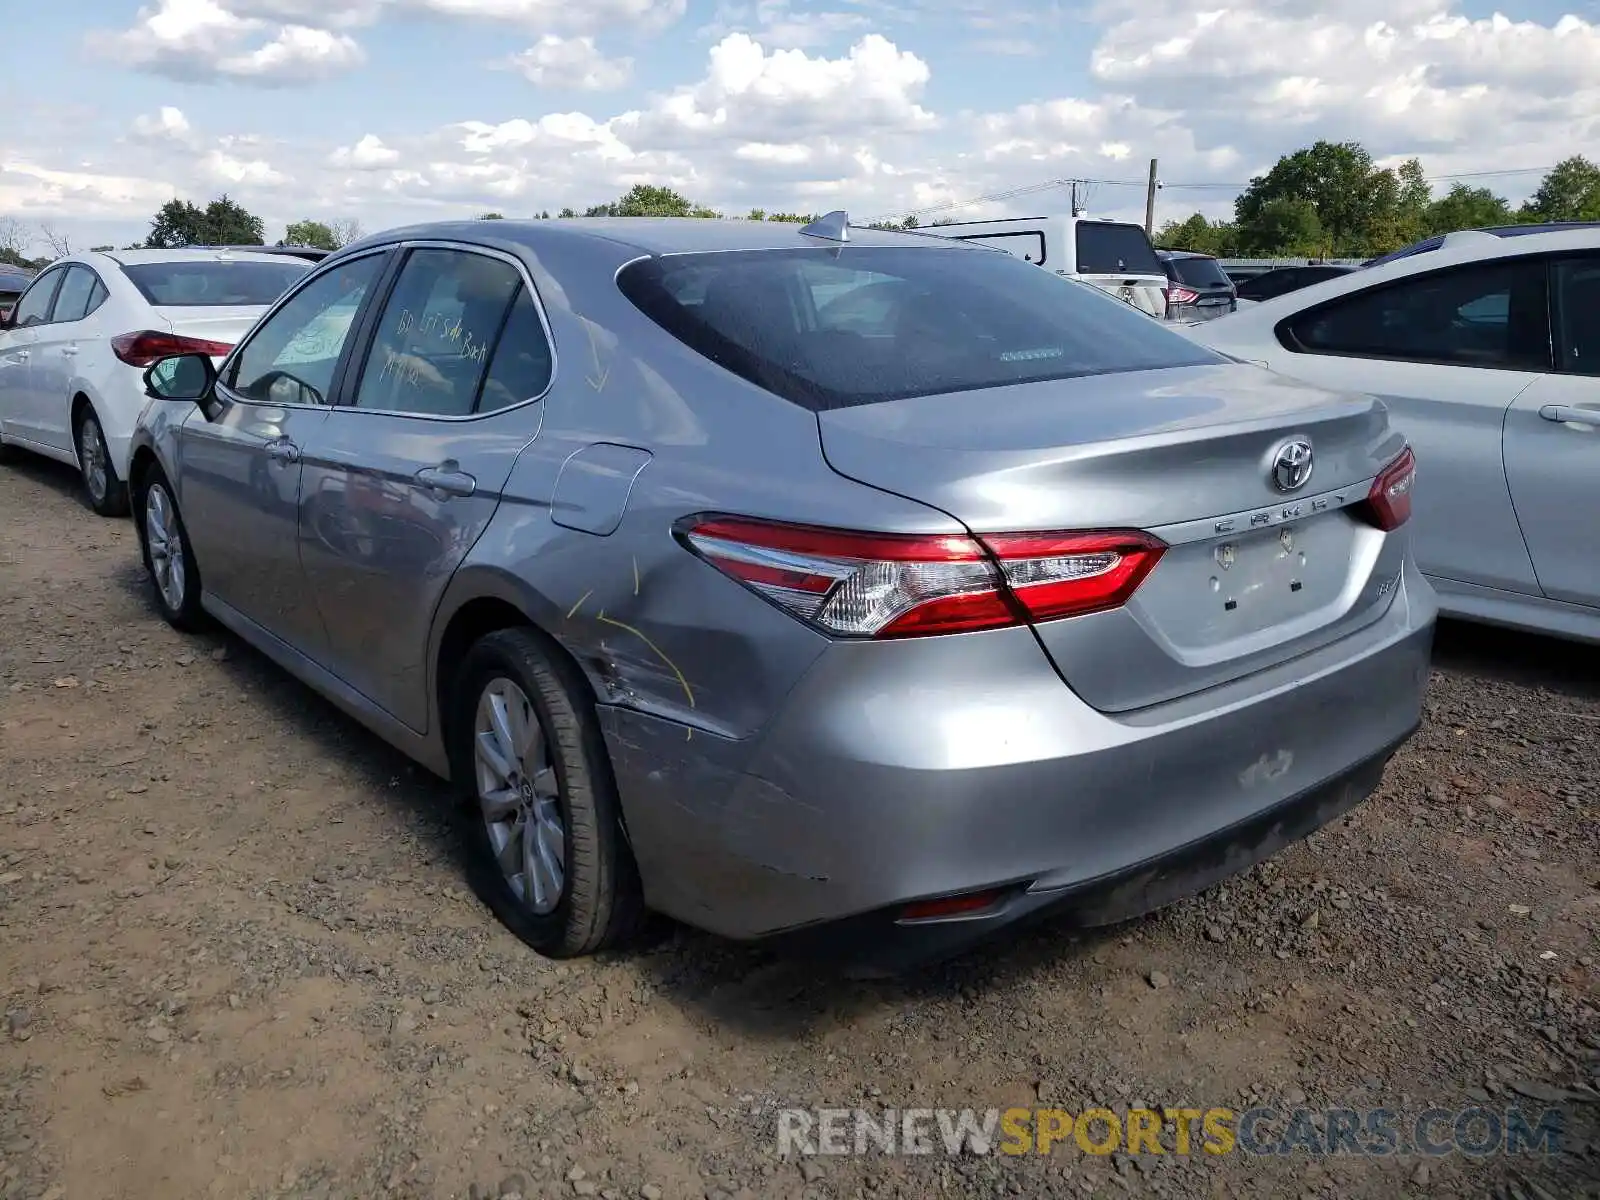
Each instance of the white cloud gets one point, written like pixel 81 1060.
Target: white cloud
pixel 26 188
pixel 749 94
pixel 799 105
pixel 368 154
pixel 575 63
pixel 224 168
pixel 200 40
pixel 168 125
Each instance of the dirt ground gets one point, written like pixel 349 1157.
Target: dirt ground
pixel 237 959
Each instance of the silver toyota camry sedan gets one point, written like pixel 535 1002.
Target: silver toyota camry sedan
pixel 866 592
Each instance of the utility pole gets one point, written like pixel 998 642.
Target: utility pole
pixel 1074 183
pixel 1150 202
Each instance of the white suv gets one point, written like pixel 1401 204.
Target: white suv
pixel 74 348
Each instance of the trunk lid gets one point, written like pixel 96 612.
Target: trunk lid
pixel 1252 576
pixel 218 323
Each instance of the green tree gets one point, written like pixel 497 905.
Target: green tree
pixel 1570 192
pixel 223 222
pixel 568 212
pixel 311 233
pixel 1205 237
pixel 1410 220
pixel 1346 194
pixel 649 200
pixel 1284 226
pixel 491 216
pixel 177 223
pixel 1464 207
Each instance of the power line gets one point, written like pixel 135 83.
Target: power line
pixel 1033 188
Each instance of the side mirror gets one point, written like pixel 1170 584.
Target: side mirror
pixel 181 377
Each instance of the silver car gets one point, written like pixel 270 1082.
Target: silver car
pixel 858 590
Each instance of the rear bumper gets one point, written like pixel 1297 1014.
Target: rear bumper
pixel 881 942
pixel 965 765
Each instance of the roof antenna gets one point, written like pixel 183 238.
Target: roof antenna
pixel 835 226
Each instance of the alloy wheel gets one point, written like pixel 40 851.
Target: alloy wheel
pixel 166 546
pixel 519 795
pixel 92 459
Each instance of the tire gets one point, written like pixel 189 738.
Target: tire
pixel 563 769
pixel 168 557
pixel 103 488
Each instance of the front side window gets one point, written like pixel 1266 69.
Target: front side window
pixel 34 307
pixel 1484 315
pixel 1578 316
pixel 77 291
pixel 291 358
pixel 438 329
pixel 835 327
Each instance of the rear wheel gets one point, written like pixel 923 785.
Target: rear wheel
pixel 106 492
pixel 539 801
pixel 170 561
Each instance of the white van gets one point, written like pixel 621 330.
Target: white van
pixel 1113 255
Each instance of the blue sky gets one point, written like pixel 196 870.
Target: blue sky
pixel 384 111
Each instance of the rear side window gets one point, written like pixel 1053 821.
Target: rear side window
pixel 1107 248
pixel 1484 315
pixel 214 283
pixel 75 299
pixel 438 328
pixel 521 366
pixel 833 328
pixel 1199 272
pixel 1578 316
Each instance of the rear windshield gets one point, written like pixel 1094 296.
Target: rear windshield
pixel 1200 272
pixel 1105 248
pixel 210 284
pixel 838 327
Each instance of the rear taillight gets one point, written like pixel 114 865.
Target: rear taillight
pixel 878 585
pixel 1182 295
pixel 1389 502
pixel 147 346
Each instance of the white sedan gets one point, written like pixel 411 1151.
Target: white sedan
pixel 1486 348
pixel 74 349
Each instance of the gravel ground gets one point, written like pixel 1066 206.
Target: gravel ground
pixel 237 959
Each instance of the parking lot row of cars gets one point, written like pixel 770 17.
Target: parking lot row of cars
pixel 816 583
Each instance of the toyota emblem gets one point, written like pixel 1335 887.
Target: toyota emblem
pixel 1291 466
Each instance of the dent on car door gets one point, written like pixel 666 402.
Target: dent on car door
pixel 241 464
pixel 1448 352
pixel 408 470
pixel 1552 445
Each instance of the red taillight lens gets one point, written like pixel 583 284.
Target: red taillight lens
pixel 911 585
pixel 1182 295
pixel 1389 501
pixel 147 346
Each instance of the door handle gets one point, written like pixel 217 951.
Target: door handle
pixel 1567 414
pixel 447 479
pixel 22 356
pixel 68 351
pixel 283 451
